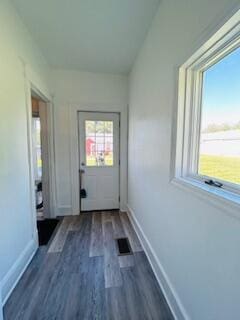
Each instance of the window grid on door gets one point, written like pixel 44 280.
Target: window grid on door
pixel 99 143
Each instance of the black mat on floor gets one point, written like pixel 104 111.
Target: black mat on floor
pixel 45 230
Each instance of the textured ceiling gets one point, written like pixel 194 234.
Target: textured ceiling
pixel 91 35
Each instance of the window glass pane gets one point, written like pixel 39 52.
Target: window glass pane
pixel 109 127
pixel 219 155
pixel 100 127
pixel 100 139
pixel 109 158
pixel 90 128
pixel 99 143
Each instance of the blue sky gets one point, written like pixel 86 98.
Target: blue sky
pixel 221 91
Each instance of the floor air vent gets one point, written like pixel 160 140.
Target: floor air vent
pixel 123 246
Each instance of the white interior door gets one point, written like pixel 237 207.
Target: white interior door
pixel 99 159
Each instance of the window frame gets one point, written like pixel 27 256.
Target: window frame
pixel 187 139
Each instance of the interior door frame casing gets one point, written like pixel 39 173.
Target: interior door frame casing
pixel 116 151
pixel 74 148
pixel 45 153
pixel 34 84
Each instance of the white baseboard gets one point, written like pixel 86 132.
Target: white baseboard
pixel 63 211
pixel 169 292
pixel 12 277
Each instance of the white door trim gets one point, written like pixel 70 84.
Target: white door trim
pixel 34 84
pixel 74 108
pixel 44 119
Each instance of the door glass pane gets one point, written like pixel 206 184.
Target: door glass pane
pixel 99 127
pixel 99 143
pixel 220 124
pixel 90 128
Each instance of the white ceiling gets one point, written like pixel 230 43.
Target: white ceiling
pixel 92 35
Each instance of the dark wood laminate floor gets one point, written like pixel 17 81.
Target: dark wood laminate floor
pixel 80 276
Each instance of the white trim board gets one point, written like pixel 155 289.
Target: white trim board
pixel 165 284
pixel 12 277
pixel 36 85
pixel 65 211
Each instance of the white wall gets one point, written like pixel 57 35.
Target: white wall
pixel 17 227
pixel 72 91
pixel 196 244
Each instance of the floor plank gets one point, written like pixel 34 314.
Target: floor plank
pixel 106 216
pixel 82 244
pixel 87 298
pixel 52 293
pixel 96 246
pixel 130 233
pixel 112 272
pixel 26 283
pixel 117 226
pixel 135 302
pixel 95 290
pixel 75 254
pixel 75 223
pixel 116 304
pixel 151 291
pixel 68 257
pixel 60 238
pixel 126 261
pixel 35 294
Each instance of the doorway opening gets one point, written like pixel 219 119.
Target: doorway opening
pixel 40 160
pixel 37 157
pixel 39 152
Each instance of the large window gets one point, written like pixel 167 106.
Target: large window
pixel 208 126
pixel 219 154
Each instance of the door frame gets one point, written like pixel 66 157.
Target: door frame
pixel 119 141
pixel 34 85
pixel 74 108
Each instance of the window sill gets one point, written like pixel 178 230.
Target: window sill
pixel 224 200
